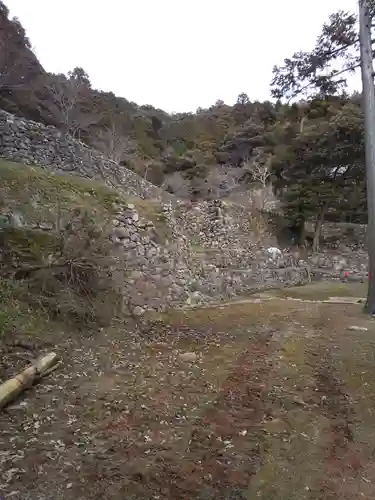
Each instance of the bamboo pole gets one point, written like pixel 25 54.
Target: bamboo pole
pixel 10 389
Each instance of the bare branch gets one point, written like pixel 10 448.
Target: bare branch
pixel 68 94
pixel 114 143
pixel 259 167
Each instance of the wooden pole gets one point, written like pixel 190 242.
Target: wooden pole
pixel 368 98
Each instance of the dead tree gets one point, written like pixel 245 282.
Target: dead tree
pixel 114 143
pixel 259 168
pixel 68 94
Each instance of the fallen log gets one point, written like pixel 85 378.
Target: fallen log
pixel 10 389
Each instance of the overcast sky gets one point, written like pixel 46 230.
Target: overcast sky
pixel 176 55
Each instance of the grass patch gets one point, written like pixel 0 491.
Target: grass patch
pixel 17 318
pixel 38 195
pixel 323 290
pixel 318 392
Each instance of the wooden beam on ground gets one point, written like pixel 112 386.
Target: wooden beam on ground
pixel 10 389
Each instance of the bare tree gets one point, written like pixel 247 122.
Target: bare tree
pixel 114 143
pixel 68 93
pixel 65 93
pixel 259 168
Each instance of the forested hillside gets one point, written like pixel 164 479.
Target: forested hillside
pixel 307 144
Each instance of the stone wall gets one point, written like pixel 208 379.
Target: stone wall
pixel 343 235
pixel 32 143
pixel 223 233
pixel 214 250
pixel 220 224
pixel 157 275
pixel 337 263
pixel 172 274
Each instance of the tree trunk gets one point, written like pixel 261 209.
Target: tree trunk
pixel 301 233
pixel 318 228
pixel 368 105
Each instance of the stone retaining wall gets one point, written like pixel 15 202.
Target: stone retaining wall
pixel 161 276
pixel 342 235
pixel 215 250
pixel 32 143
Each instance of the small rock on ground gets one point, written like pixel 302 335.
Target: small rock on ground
pixel 358 328
pixel 188 356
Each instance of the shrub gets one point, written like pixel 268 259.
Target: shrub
pixel 70 272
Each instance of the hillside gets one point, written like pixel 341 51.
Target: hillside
pixel 68 236
pixel 96 274
pixel 291 150
pixel 86 252
pixel 200 277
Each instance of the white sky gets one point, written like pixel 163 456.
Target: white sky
pixel 176 55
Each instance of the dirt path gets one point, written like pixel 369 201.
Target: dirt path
pixel 279 403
